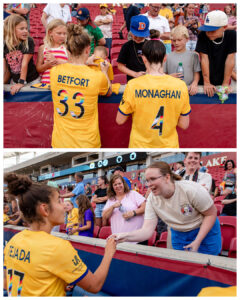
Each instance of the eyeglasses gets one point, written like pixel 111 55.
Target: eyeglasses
pixel 151 180
pixel 155 7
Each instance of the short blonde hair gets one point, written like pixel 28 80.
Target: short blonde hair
pixel 180 31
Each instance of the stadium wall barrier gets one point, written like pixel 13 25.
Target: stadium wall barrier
pixel 138 270
pixel 28 121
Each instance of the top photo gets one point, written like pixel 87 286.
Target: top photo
pixel 109 75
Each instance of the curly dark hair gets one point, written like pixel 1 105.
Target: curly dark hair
pixel 229 160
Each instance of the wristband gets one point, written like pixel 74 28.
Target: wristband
pixel 134 213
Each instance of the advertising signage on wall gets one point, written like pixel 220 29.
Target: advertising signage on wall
pixel 108 162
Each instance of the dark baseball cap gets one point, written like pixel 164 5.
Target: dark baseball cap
pixel 83 13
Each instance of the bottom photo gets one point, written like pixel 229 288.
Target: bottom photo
pixel 120 224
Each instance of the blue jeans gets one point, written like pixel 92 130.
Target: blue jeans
pixel 108 45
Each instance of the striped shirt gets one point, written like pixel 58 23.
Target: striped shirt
pixel 59 53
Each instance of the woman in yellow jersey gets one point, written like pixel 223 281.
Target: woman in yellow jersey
pixel 75 88
pixel 37 263
pixel 158 103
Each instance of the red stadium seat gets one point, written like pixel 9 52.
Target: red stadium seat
pixel 118 42
pixel 219 208
pixel 104 232
pixel 228 229
pixel 233 248
pixel 115 52
pixel 96 231
pixel 120 78
pixel 115 67
pixel 152 239
pixel 162 242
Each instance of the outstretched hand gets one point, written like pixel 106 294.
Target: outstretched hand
pixel 193 247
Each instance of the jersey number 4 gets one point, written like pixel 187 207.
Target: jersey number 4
pixel 158 122
pixel 66 107
pixel 19 288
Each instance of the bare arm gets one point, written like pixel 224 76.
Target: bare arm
pixel 5 280
pixel 209 218
pixel 127 71
pixel 183 122
pixel 93 282
pixel 20 11
pixel 67 195
pixel 228 201
pixel 108 212
pixel 6 71
pixel 44 19
pixel 193 88
pixel 96 199
pixel 139 235
pixel 139 211
pixel 102 42
pixel 120 118
pixel 165 36
pixel 209 89
pixel 229 65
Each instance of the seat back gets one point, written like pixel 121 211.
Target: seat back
pixel 228 229
pixel 152 239
pixel 162 242
pixel 105 232
pixel 233 248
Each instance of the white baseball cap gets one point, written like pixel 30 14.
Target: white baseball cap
pixel 214 20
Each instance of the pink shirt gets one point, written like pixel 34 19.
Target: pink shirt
pixel 130 202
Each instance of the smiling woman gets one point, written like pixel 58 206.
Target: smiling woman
pixel 31 271
pixel 185 206
pixel 124 208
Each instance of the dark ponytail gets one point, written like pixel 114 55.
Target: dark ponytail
pixel 29 194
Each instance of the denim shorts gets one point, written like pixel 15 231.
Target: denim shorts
pixel 99 209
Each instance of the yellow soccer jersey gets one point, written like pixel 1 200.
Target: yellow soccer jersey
pixel 73 219
pixel 40 264
pixel 156 103
pixel 75 90
pixel 98 67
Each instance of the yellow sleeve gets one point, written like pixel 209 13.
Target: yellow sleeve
pixel 186 109
pixel 126 106
pixel 75 215
pixel 67 264
pixel 104 86
pixel 110 72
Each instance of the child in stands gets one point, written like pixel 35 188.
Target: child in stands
pixel 100 54
pixel 72 217
pixel 54 51
pixel 19 68
pixel 85 217
pixel 189 60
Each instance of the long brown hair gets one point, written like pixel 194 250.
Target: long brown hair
pixel 165 169
pixel 110 192
pixel 83 204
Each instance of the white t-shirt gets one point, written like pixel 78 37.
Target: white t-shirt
pixel 55 11
pixel 204 179
pixel 182 211
pixel 159 23
pixel 106 28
